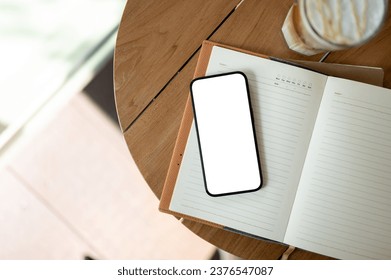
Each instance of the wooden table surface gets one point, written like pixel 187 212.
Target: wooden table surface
pixel 155 56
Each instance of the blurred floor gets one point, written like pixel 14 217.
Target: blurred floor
pixel 74 191
pixel 44 44
pixel 101 91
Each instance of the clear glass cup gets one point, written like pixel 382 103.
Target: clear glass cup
pixel 315 26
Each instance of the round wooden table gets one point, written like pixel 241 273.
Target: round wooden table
pixel 155 56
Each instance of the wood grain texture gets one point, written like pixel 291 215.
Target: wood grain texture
pixel 256 26
pixel 376 52
pixel 299 254
pixel 155 39
pixel 152 137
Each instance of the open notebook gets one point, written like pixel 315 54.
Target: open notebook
pixel 325 152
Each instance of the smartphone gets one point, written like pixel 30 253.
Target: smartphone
pixel 226 135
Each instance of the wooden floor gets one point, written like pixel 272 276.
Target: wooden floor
pixel 74 191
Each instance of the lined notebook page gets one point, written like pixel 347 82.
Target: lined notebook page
pixel 343 204
pixel 285 100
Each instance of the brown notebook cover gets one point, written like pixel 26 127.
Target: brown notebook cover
pixel 370 75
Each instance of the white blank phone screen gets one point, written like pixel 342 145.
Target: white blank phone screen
pixel 226 134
